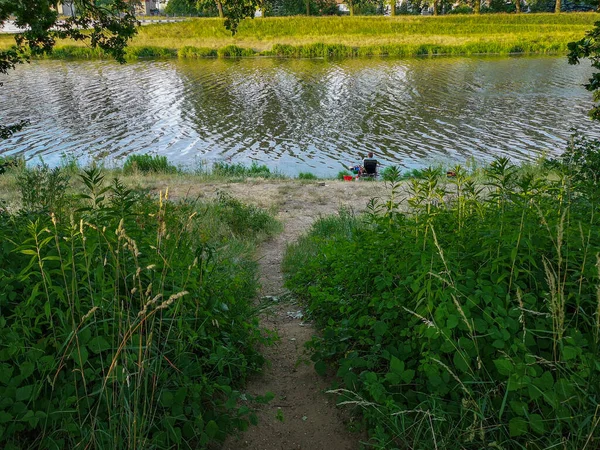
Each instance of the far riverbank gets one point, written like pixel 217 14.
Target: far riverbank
pixel 339 36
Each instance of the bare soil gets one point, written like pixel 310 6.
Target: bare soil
pixel 301 416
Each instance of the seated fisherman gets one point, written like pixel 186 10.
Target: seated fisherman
pixel 369 166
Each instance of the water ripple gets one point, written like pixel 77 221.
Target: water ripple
pixel 298 115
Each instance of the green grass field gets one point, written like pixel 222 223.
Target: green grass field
pixel 354 36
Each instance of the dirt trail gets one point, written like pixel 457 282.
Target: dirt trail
pixel 301 416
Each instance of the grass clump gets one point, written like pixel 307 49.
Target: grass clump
pixel 126 320
pixel 197 52
pixel 462 312
pixel 245 220
pixel 148 164
pixel 239 170
pixel 307 176
pixel 233 51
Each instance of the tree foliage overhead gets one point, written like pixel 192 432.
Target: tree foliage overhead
pixel 108 27
pixel 589 47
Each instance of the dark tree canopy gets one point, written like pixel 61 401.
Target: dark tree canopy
pixel 108 26
pixel 589 47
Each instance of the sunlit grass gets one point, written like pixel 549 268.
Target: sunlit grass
pixel 401 36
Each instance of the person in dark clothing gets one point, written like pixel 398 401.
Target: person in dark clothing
pixel 369 166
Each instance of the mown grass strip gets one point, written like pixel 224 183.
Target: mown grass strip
pixel 310 37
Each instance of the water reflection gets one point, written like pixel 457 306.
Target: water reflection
pixel 298 115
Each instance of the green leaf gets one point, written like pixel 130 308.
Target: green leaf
pixel 460 363
pixel 24 393
pixel 569 353
pixel 5 417
pixel 504 366
pixel 517 426
pixel 380 328
pixel 545 382
pixel 47 310
pixel 408 375
pixel 180 396
pixel 536 422
pixel 80 355
pixel 520 408
pixel 98 344
pixel 498 343
pixel 534 392
pixel 480 325
pixel 321 368
pixel 166 399
pixel 452 321
pixel 27 369
pixel 211 429
pixel 396 366
pixel 393 378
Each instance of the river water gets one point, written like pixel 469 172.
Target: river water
pixel 298 115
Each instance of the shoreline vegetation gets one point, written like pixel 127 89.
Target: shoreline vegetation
pixel 494 271
pixel 154 172
pixel 347 37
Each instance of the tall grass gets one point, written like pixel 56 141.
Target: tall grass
pixel 127 320
pixel 352 36
pixel 461 313
pixel 148 164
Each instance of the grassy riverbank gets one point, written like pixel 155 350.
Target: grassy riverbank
pixel 352 36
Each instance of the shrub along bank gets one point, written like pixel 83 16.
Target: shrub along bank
pixel 465 313
pixel 126 320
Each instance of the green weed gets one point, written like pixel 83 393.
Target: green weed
pixel 307 176
pixel 462 313
pixel 126 321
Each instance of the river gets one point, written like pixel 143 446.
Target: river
pixel 297 115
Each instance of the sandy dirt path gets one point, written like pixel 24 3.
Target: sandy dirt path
pixel 301 416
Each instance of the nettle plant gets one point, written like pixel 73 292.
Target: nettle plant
pixel 125 322
pixel 463 312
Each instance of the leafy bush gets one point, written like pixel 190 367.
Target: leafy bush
pixel 307 176
pixel 43 189
pixel 181 8
pixel 126 322
pixel 467 322
pixel 10 162
pixel 461 9
pixel 148 164
pixel 581 162
pixel 500 6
